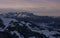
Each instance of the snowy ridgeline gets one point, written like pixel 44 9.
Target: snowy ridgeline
pixel 25 29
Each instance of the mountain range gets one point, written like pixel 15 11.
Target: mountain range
pixel 28 25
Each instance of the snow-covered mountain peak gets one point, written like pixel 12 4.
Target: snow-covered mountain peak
pixel 28 29
pixel 16 14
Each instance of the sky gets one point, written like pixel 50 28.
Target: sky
pixel 40 7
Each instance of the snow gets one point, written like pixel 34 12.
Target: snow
pixel 18 34
pixel 23 22
pixel 46 32
pixel 6 22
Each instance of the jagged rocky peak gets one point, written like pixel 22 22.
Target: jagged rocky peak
pixel 17 14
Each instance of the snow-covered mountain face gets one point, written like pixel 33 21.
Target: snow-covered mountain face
pixel 22 29
pixel 15 27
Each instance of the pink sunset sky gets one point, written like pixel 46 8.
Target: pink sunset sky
pixel 41 7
